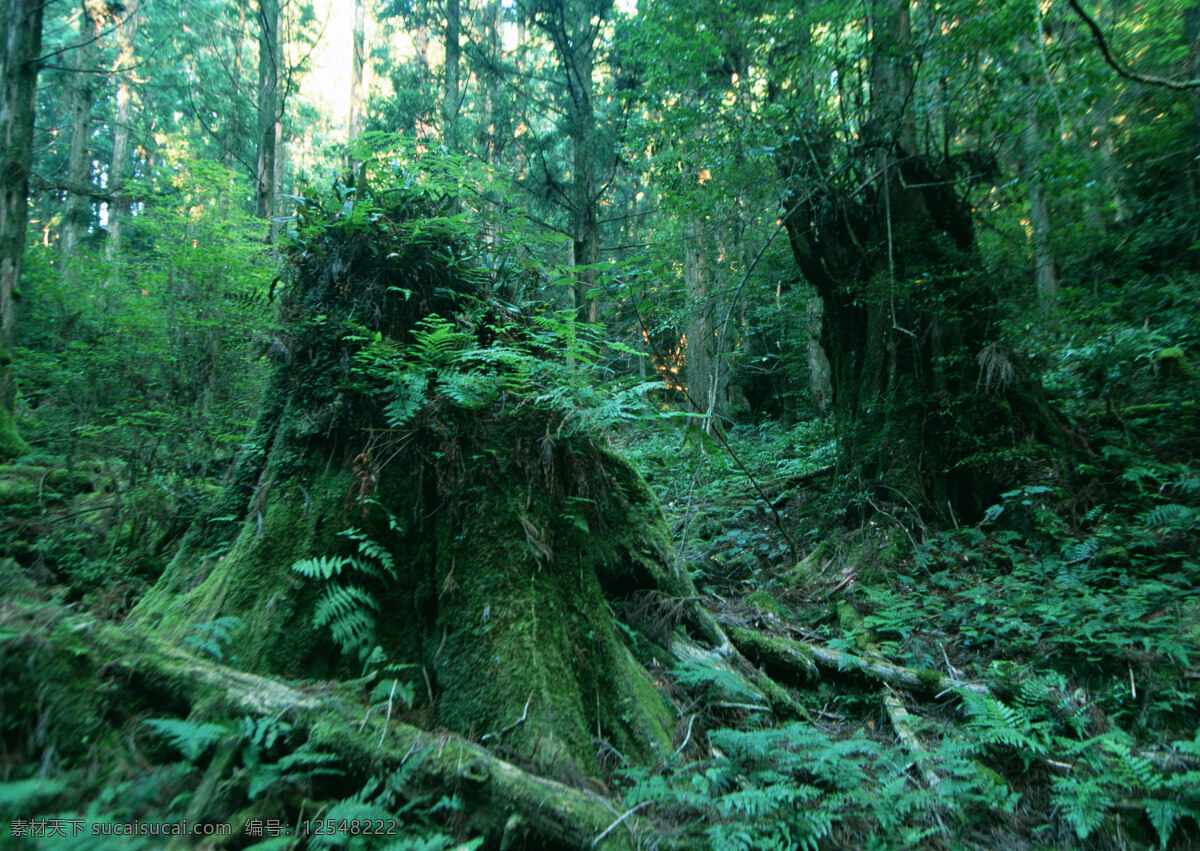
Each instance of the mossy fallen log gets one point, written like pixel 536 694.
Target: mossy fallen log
pixel 494 791
pixel 498 796
pixel 805 660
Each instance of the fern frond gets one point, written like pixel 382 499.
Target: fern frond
pixel 1137 773
pixel 213 635
pixel 1188 484
pixel 1171 515
pixel 723 682
pixel 263 732
pixel 348 612
pixel 372 550
pixel 1083 550
pixel 995 722
pixel 466 389
pixel 322 567
pixel 188 738
pixel 1164 815
pixel 409 393
pixel 1085 802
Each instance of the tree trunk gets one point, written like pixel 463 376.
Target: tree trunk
pixel 1045 277
pixel 234 136
pixel 573 29
pixel 77 212
pixel 270 106
pixel 22 28
pixel 452 96
pixel 584 197
pixel 357 66
pixel 1191 32
pixel 118 208
pixel 819 370
pixel 934 417
pixel 702 367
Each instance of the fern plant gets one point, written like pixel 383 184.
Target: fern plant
pixel 348 610
pixel 211 637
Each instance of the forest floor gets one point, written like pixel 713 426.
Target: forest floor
pixel 1026 681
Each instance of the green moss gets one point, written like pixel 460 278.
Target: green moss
pixel 529 637
pixel 16 489
pixel 930 680
pixel 12 444
pixel 52 693
pixel 253 581
pixel 765 603
pixel 503 631
pixel 1174 363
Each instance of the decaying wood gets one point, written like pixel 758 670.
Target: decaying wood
pixel 804 658
pixel 494 791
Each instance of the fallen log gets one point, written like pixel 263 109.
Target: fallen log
pixel 806 659
pixel 496 793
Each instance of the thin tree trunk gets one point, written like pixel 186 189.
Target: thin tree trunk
pixel 1191 32
pixel 77 212
pixel 118 208
pixel 700 364
pixel 357 66
pixel 452 96
pixel 819 370
pixel 270 60
pixel 1039 216
pixel 22 28
pixel 234 135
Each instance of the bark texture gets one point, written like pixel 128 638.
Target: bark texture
pixel 22 27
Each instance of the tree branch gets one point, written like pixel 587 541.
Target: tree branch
pixel 1122 71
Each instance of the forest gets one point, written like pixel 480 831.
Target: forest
pixel 519 424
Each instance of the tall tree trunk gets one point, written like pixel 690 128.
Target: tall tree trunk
pixel 22 28
pixel 233 136
pixel 701 366
pixel 358 63
pixel 587 229
pixel 77 213
pixel 452 96
pixel 118 208
pixel 574 29
pixel 1191 34
pixel 1045 277
pixel 819 370
pixel 270 106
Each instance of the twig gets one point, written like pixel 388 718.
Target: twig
pixel 626 815
pixel 514 725
pixel 687 738
pixel 387 720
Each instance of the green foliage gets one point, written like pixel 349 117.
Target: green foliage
pixel 795 786
pixel 188 738
pixel 719 681
pixel 211 637
pixel 257 740
pixel 22 796
pixel 348 611
pixel 154 358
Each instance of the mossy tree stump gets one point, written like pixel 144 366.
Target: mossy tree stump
pixel 409 405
